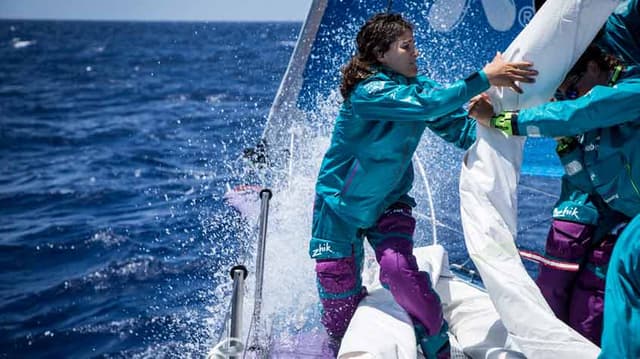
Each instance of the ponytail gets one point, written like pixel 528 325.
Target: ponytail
pixel 353 72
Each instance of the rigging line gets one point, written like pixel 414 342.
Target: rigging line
pixel 425 179
pixel 534 224
pixel 248 337
pixel 290 165
pixel 533 189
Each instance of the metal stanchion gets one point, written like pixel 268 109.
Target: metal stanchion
pixel 232 346
pixel 265 196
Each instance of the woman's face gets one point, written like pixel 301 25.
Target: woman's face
pixel 577 85
pixel 401 56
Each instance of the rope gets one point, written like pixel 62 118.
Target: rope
pixel 425 179
pixel 389 3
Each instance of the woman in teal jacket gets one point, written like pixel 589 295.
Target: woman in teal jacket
pixel 597 120
pixel 364 180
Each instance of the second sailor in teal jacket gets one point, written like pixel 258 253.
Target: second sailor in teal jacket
pixel 605 125
pixel 597 223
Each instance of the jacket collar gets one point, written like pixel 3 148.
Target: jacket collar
pixel 393 75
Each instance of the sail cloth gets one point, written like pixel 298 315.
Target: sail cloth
pixel 381 329
pixel 553 41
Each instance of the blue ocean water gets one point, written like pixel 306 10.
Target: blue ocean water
pixel 116 140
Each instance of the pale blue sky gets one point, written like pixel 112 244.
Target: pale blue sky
pixel 187 10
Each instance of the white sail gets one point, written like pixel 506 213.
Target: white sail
pixel 553 40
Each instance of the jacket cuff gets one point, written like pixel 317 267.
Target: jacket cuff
pixel 477 83
pixel 506 122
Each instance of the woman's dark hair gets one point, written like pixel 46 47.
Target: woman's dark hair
pixel 593 53
pixel 374 39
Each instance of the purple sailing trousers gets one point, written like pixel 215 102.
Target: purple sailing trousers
pixel 576 297
pixel 340 283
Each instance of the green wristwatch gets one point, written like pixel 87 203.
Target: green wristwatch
pixel 506 122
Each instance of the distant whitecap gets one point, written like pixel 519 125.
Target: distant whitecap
pixel 107 238
pixel 212 99
pixel 287 43
pixel 62 191
pixel 19 44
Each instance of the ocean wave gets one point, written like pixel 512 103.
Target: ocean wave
pixel 18 43
pixel 130 270
pixel 114 230
pixel 290 44
pixel 106 238
pixel 215 99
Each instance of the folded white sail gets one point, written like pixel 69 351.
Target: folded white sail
pixel 553 40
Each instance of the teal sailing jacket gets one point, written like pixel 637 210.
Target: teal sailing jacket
pixel 606 126
pixel 368 164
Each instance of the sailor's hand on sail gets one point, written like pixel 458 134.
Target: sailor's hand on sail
pixel 481 109
pixel 508 74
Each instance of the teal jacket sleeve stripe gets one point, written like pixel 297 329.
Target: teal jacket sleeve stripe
pixel 382 99
pixel 602 107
